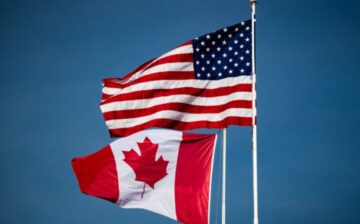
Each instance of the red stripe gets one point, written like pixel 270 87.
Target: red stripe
pixel 171 75
pixel 172 59
pixel 179 75
pixel 127 76
pixel 105 97
pixel 154 93
pixel 97 175
pixel 119 82
pixel 184 44
pixel 180 125
pixel 192 180
pixel 181 107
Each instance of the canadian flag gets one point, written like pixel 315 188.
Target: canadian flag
pixel 164 171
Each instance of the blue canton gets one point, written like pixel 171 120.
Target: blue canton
pixel 223 53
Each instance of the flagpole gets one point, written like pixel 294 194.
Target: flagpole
pixel 254 131
pixel 223 213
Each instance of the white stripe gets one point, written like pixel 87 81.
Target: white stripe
pixel 179 116
pixel 187 49
pixel 183 98
pixel 168 67
pixel 171 84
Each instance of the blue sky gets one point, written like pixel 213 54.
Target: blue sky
pixel 55 53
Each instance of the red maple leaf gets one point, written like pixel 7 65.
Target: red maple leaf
pixel 146 169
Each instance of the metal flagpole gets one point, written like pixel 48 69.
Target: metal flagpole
pixel 254 132
pixel 223 211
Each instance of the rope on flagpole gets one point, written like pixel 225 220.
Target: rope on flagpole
pixel 254 131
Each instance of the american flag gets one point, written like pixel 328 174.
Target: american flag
pixel 203 83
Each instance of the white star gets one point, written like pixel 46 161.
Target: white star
pixel 241 34
pixel 224 42
pixel 198 74
pixel 241 58
pixel 208 62
pixel 242 23
pixel 230 71
pixel 202 56
pixel 236 41
pixel 230 59
pixel 230 35
pixel 219 36
pixel 219 74
pixel 219 62
pixel 197 62
pixel 213 68
pixel 196 38
pixel 213 43
pixel 247 63
pixel 225 30
pixel 241 46
pixel 213 55
pixel 236 29
pixel 247 52
pixel 218 49
pixel 208 36
pixel 203 68
pixel 247 28
pixel 242 70
pixel 207 49
pixel 202 43
pixel 224 55
pixel 225 67
pixel 197 49
pixel 236 53
pixel 208 74
pixel 247 39
pixel 236 64
pixel 230 48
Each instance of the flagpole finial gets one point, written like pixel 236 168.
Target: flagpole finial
pixel 253 1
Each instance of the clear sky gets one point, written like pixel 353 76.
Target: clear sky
pixel 53 55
